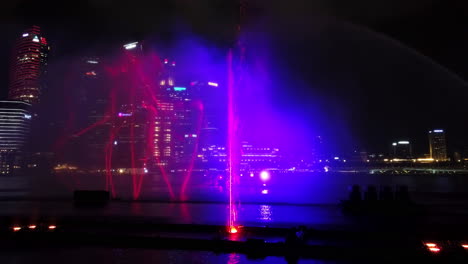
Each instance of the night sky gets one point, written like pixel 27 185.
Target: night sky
pixel 362 73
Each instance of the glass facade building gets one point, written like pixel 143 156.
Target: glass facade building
pixel 27 65
pixel 437 145
pixel 15 120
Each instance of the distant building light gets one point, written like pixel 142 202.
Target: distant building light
pixel 130 45
pixel 265 191
pixel 35 39
pixel 179 89
pixel 91 73
pixel 438 131
pixel 115 142
pixel 173 63
pixel 25 34
pixel 403 142
pixel 394 144
pixel 27 116
pixel 125 114
pixel 213 84
pixel 336 158
pixel 166 61
pixel 92 62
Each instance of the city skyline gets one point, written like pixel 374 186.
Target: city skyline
pixel 420 148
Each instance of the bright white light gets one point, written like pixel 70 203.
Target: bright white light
pixel 326 168
pixel 438 131
pixel 213 84
pixel 336 158
pixel 92 62
pixel 394 144
pixel 130 45
pixel 403 142
pixel 27 116
pixel 25 34
pixel 265 175
pixel 35 39
pixel 115 142
pixel 145 170
pixel 265 191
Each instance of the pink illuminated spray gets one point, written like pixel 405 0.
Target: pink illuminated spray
pixel 200 108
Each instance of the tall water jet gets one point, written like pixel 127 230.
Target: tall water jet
pixel 233 148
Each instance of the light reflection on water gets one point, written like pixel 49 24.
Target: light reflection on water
pixel 128 256
pixel 233 258
pixel 265 213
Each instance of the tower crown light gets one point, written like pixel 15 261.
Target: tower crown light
pixel 130 46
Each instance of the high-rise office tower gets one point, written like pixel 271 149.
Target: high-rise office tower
pixel 401 150
pixel 15 119
pixel 89 94
pixel 165 115
pixel 27 65
pixel 437 145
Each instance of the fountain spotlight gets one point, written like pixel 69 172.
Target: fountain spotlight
pixel 265 175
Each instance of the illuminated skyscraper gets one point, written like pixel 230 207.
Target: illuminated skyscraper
pixel 401 150
pixel 15 119
pixel 437 145
pixel 27 65
pixel 163 141
pixel 89 94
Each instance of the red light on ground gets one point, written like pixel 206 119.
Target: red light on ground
pixel 465 246
pixel 52 227
pixel 32 226
pixel 16 228
pixel 233 230
pixel 434 249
